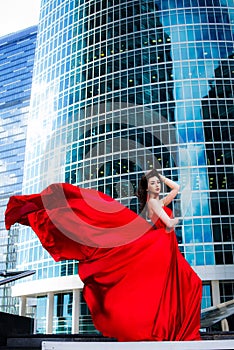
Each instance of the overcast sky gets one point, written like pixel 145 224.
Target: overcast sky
pixel 18 14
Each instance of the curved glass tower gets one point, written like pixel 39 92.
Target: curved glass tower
pixel 120 87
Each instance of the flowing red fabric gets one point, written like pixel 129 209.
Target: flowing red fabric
pixel 137 284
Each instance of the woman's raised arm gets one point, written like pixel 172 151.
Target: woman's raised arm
pixel 174 190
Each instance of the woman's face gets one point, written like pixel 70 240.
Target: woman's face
pixel 154 185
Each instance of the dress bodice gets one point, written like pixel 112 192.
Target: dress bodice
pixel 157 222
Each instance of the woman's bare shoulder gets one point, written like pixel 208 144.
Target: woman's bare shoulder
pixel 156 202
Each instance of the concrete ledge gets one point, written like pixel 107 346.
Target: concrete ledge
pixel 186 345
pixel 41 287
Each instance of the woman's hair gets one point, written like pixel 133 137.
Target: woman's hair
pixel 142 188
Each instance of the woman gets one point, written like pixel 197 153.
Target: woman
pixel 148 194
pixel 137 284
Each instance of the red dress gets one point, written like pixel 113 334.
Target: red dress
pixel 137 284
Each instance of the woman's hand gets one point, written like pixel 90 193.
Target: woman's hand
pixel 173 223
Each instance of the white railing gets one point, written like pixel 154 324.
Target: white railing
pixel 186 345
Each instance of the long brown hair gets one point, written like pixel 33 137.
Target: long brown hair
pixel 142 188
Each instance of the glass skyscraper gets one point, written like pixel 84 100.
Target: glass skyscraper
pixel 17 52
pixel 120 87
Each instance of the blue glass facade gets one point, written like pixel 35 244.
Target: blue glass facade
pixel 124 86
pixel 201 35
pixel 16 66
